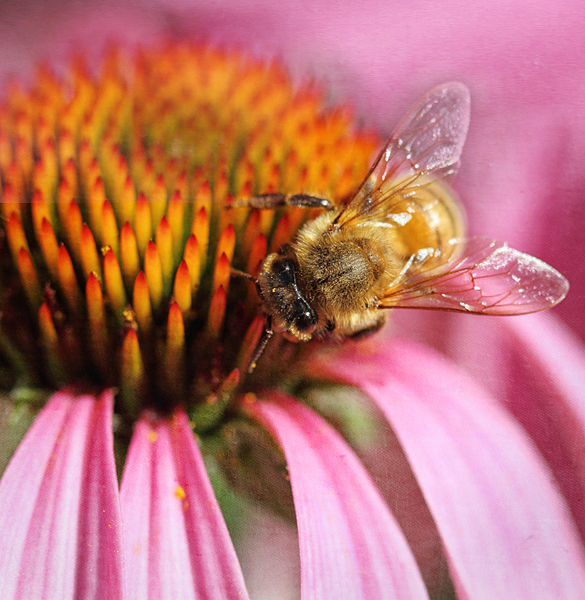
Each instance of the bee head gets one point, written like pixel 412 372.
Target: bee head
pixel 283 300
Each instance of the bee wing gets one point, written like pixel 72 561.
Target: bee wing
pixel 486 277
pixel 426 145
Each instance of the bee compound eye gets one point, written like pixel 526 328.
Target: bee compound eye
pixel 304 316
pixel 284 269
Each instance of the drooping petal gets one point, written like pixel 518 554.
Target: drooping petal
pixel 505 527
pixel 547 395
pixel 350 545
pixel 535 365
pixel 176 542
pixel 59 507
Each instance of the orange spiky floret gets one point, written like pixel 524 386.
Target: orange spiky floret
pixel 115 219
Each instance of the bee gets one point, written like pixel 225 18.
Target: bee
pixel 397 242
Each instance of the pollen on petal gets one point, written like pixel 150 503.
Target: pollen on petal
pixel 180 493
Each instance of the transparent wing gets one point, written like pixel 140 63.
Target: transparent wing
pixel 484 277
pixel 425 146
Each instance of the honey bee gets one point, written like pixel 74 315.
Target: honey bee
pixel 397 242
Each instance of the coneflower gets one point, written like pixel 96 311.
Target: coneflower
pixel 120 311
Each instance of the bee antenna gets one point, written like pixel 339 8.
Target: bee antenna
pixel 238 273
pixel 262 343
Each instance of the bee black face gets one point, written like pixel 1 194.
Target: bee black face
pixel 282 298
pixel 305 318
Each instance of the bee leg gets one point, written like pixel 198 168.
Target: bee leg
pixel 262 343
pixel 267 201
pixel 368 330
pixel 249 277
pixel 306 201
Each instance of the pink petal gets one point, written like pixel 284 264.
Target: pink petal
pixel 59 508
pixel 177 544
pixel 350 545
pixel 547 395
pixel 505 527
pixel 536 366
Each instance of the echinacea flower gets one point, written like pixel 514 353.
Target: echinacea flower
pixel 108 323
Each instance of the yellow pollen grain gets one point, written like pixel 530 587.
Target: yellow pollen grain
pixel 180 493
pixel 152 436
